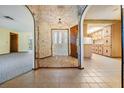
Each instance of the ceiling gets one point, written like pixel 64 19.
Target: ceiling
pixel 22 18
pixel 68 15
pixel 95 27
pixel 104 12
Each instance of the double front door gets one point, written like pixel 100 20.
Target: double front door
pixel 60 42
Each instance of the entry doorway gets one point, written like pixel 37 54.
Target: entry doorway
pixel 60 42
pixel 13 42
pixel 60 57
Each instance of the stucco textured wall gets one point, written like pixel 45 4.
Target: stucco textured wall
pixel 46 18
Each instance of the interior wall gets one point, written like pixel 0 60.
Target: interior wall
pixel 24 41
pixel 81 33
pixel 44 40
pixel 5 40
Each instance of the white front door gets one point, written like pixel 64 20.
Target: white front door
pixel 60 42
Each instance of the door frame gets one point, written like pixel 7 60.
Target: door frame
pixel 81 47
pixel 122 44
pixel 52 38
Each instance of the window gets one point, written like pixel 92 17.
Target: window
pixel 60 37
pixel 57 37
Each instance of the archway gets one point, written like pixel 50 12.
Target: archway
pixel 43 48
pixel 17 41
pixel 33 28
pixel 115 24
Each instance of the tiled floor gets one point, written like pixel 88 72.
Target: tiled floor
pixel 99 72
pixel 59 61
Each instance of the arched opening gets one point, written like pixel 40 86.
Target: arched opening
pixel 52 22
pixel 16 41
pixel 101 41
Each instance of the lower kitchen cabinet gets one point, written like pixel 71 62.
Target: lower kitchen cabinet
pixel 106 50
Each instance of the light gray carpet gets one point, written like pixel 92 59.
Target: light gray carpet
pixel 14 64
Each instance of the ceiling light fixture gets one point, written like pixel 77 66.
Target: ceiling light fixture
pixel 60 22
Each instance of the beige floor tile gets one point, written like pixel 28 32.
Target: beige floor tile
pixel 94 85
pixel 85 85
pixel 97 79
pixel 70 85
pixel 89 79
pixel 59 61
pixel 103 85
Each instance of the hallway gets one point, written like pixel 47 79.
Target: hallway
pixel 97 73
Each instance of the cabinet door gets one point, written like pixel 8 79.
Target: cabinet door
pixel 93 48
pixel 108 41
pixel 100 49
pixel 100 34
pixel 107 31
pixel 96 49
pixel 107 50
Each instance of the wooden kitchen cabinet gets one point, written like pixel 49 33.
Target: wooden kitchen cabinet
pixel 107 50
pixel 107 31
pixel 100 49
pixel 107 41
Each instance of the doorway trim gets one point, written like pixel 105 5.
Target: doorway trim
pixel 52 41
pixel 80 27
pixel 34 36
pixel 122 44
